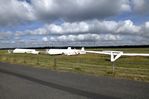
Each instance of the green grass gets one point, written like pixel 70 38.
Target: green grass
pixel 136 68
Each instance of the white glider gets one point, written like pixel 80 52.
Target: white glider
pixel 117 54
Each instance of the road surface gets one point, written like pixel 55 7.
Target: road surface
pixel 23 82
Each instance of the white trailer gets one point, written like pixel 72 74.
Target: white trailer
pixel 55 51
pixel 70 51
pixel 75 51
pixel 31 51
pixel 67 51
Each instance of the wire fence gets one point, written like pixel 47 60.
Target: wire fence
pixel 132 69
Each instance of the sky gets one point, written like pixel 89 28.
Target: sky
pixel 39 23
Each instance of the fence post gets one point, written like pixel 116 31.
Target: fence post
pixel 14 60
pixel 54 65
pixel 24 60
pixel 37 60
pixel 113 67
pixel 7 58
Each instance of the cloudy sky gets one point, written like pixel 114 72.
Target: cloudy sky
pixel 27 23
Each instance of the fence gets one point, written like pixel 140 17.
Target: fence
pixel 136 68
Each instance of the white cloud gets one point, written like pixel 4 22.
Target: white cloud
pixel 16 11
pixel 94 26
pixel 88 31
pixel 147 24
pixel 68 27
pixel 128 27
pixel 83 20
pixel 141 6
pixel 86 37
pixel 76 10
pixel 45 39
pixel 145 29
pixel 126 6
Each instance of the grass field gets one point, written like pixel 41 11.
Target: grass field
pixel 136 68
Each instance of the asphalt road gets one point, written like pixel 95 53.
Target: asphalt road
pixel 23 82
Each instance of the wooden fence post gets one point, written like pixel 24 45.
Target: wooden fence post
pixel 54 65
pixel 24 60
pixel 38 60
pixel 113 67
